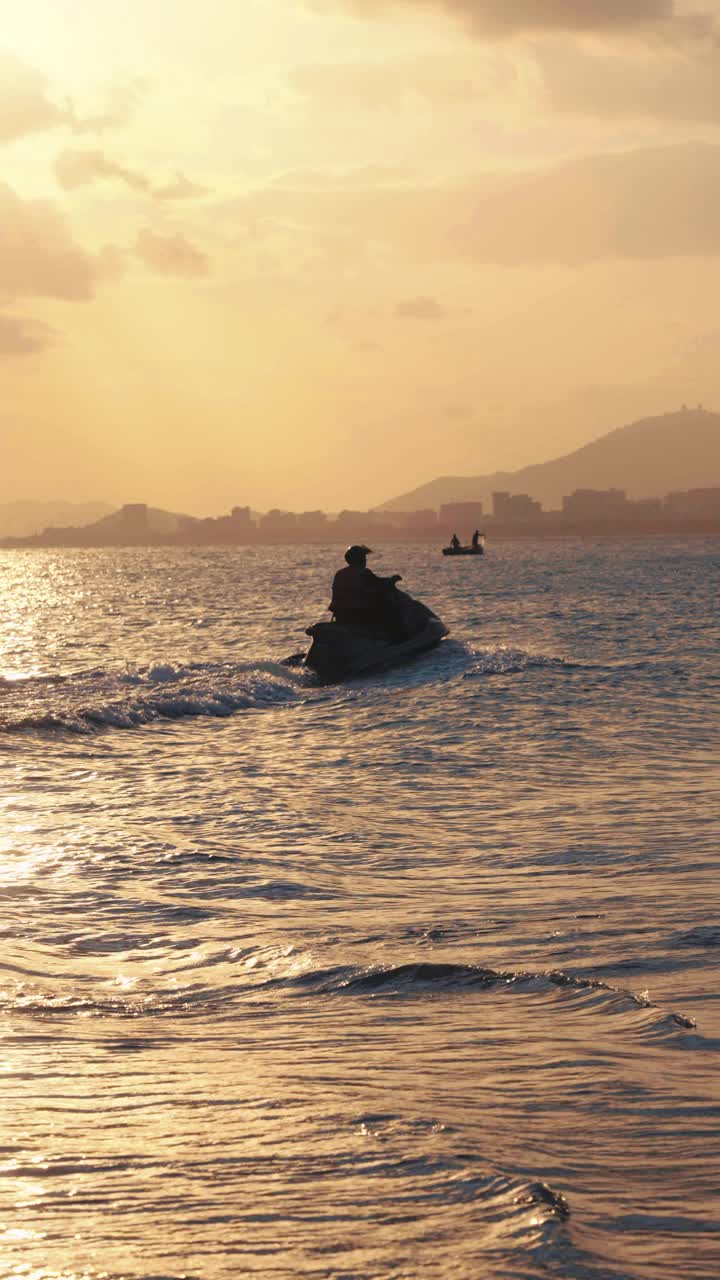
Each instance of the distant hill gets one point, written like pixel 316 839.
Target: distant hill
pixel 648 459
pixel 22 518
pixel 158 521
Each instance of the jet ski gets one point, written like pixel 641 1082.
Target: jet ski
pixel 340 652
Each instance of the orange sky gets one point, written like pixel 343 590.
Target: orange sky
pixel 315 252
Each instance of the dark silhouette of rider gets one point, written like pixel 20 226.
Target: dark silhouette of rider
pixel 362 599
pixel 455 542
pixel 476 538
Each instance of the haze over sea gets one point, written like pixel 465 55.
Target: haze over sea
pixel 410 977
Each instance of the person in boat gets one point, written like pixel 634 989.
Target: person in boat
pixel 455 542
pixel 362 599
pixel 476 540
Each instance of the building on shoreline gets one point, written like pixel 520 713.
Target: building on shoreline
pixel 585 512
pixel 515 508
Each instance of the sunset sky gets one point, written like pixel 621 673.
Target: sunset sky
pixel 315 252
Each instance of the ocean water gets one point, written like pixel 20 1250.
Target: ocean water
pixel 410 977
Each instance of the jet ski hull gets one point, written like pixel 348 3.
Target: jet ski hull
pixel 463 551
pixel 339 652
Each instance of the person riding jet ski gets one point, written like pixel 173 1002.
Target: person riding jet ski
pixel 375 625
pixel 362 599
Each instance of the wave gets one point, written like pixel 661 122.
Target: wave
pixel 504 660
pixel 90 701
pixel 414 979
pixel 95 700
pixel 405 981
pixel 700 937
pixel 409 1197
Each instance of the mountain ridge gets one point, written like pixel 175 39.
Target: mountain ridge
pixel 648 458
pixel 24 517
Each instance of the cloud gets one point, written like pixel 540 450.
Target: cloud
pixel 179 188
pixel 641 204
pixel 668 81
pixel 79 167
pixel 122 101
pixel 23 336
pixel 25 107
pixel 388 86
pixel 38 256
pixel 652 203
pixel 500 19
pixel 673 87
pixel 419 309
pixel 171 255
pixel 75 168
pixel 347 226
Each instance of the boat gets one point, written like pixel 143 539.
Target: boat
pixel 479 550
pixel 340 652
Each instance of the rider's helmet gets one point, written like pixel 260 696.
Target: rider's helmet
pixel 357 555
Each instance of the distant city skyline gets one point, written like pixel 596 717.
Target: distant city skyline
pixel 585 511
